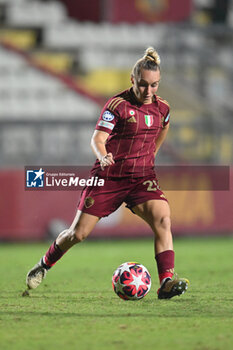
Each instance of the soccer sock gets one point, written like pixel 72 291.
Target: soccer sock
pixel 53 254
pixel 165 264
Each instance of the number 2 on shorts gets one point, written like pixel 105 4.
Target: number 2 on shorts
pixel 152 185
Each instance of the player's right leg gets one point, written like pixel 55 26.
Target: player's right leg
pixel 81 227
pixel 95 202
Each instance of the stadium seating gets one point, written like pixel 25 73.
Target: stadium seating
pixel 41 44
pixel 35 13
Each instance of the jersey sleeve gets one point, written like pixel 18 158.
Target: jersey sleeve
pixel 164 109
pixel 107 119
pixel 166 118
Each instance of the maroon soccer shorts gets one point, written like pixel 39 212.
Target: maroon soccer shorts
pixel 104 200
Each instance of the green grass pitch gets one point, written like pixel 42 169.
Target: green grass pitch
pixel 76 308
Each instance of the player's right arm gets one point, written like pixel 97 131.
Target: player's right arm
pixel 105 124
pixel 98 142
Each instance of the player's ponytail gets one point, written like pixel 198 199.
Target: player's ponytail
pixel 152 55
pixel 150 61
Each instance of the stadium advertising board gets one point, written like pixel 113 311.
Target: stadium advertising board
pixel 27 213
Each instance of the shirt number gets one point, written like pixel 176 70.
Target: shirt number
pixel 152 185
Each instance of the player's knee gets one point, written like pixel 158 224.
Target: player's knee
pixel 68 235
pixel 64 235
pixel 80 235
pixel 164 224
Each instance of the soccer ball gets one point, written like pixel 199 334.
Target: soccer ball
pixel 131 281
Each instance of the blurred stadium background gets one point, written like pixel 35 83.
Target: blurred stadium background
pixel 61 60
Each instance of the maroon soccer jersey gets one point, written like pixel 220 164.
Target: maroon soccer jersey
pixel 133 129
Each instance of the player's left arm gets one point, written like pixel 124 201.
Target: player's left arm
pixel 161 138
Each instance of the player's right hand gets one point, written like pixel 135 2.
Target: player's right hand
pixel 106 160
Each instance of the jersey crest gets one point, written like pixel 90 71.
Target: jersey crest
pixel 148 120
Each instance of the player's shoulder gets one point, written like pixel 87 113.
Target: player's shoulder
pixel 163 104
pixel 118 101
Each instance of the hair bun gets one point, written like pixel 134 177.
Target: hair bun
pixel 152 55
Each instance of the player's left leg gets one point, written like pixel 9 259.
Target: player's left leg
pixel 157 214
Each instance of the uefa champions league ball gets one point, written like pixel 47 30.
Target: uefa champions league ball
pixel 131 281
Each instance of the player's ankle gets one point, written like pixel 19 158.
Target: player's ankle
pixel 164 276
pixel 43 264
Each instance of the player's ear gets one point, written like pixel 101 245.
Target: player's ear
pixel 132 79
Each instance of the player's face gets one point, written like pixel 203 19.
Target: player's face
pixel 146 85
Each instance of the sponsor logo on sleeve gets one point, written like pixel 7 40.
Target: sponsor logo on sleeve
pixel 167 118
pixel 106 124
pixel 108 116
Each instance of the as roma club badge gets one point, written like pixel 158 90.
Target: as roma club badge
pixel 89 202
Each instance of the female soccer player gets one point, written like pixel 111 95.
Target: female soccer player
pixel 130 130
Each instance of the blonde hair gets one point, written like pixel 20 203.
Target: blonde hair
pixel 150 61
